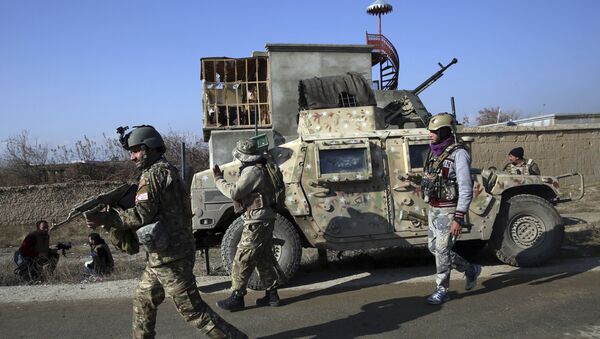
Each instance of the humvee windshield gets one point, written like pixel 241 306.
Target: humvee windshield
pixel 343 160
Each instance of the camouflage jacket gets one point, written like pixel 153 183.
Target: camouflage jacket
pixel 253 191
pixel 526 167
pixel 162 196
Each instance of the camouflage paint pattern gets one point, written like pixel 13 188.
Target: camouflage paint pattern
pixel 336 120
pixel 255 250
pixel 506 181
pixel 161 196
pixel 350 207
pixel 176 280
pixel 386 210
pixel 525 168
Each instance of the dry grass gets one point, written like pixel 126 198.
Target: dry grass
pixel 70 268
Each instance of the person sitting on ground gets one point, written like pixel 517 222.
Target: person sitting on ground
pixel 519 165
pixel 102 262
pixel 36 254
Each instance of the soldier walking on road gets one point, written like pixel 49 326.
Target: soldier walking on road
pixel 254 195
pixel 448 187
pixel 162 209
pixel 520 165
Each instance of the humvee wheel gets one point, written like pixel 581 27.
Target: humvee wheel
pixel 528 231
pixel 286 246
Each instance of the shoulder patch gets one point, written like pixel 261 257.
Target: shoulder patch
pixel 141 197
pixel 143 188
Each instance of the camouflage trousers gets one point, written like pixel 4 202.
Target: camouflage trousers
pixel 255 250
pixel 177 279
pixel 440 245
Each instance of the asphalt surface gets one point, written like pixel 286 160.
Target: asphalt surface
pixel 559 300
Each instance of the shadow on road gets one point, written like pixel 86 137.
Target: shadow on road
pixel 384 316
pixel 374 318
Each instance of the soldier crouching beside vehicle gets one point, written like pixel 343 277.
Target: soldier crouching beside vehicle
pixel 162 209
pixel 448 188
pixel 254 195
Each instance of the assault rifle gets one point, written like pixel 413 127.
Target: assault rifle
pixel 122 196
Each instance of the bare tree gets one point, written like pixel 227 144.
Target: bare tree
pixel 86 149
pixel 25 161
pixel 22 159
pixel 492 115
pixel 465 121
pixel 21 150
pixel 112 150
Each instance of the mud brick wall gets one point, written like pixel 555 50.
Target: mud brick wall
pixel 22 206
pixel 556 149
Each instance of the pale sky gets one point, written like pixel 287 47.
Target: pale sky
pixel 74 68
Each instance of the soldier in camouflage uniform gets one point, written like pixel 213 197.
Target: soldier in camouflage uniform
pixel 448 188
pixel 254 195
pixel 519 165
pixel 162 197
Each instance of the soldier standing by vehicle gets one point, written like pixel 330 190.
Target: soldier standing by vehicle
pixel 519 165
pixel 35 254
pixel 254 196
pixel 162 206
pixel 448 187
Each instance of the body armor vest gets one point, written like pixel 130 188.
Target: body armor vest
pixel 435 183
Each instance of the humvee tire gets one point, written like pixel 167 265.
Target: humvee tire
pixel 286 246
pixel 528 231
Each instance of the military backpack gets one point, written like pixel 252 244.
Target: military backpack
pixel 276 177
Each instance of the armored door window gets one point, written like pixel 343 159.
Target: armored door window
pixel 344 160
pixel 417 155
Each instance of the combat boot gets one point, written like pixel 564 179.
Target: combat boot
pixel 235 302
pixel 271 298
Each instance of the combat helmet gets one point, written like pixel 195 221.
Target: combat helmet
pixel 141 135
pixel 442 120
pixel 247 151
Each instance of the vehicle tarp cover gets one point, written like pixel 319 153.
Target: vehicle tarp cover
pixel 327 92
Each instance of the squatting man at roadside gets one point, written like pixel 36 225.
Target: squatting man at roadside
pixel 35 254
pixel 102 262
pixel 519 165
pixel 254 196
pixel 161 218
pixel 448 187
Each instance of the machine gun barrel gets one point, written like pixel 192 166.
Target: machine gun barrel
pixel 434 77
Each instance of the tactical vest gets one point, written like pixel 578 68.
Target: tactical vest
pixel 174 213
pixel 522 169
pixel 263 197
pixel 435 183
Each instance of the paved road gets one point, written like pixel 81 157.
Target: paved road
pixel 557 301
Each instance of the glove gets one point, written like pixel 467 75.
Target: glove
pixel 96 219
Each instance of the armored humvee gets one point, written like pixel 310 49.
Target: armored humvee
pixel 352 183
